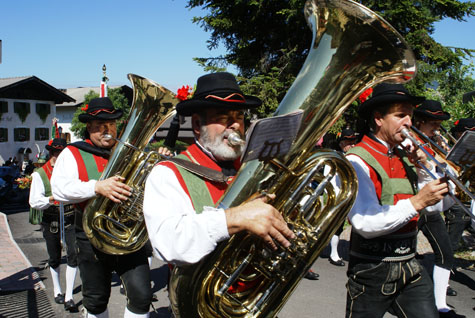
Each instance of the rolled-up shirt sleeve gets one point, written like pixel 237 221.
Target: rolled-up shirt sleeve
pixel 37 199
pixel 368 217
pixel 177 233
pixel 65 183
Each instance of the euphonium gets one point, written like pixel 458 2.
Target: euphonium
pixel 352 49
pixel 119 229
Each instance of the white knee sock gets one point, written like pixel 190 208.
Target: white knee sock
pixel 334 248
pixel 441 281
pixel 55 277
pixel 129 314
pixel 104 314
pixel 70 277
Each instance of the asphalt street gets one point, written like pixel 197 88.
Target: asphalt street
pixel 325 297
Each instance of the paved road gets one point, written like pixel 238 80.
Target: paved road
pixel 322 298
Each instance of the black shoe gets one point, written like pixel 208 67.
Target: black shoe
pixel 336 263
pixel 451 292
pixel 70 306
pixel 311 275
pixel 122 289
pixel 450 314
pixel 59 299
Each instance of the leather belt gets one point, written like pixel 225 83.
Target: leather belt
pixel 389 248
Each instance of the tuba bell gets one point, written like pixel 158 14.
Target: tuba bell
pixel 119 229
pixel 352 49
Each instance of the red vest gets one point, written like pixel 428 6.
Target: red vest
pixel 196 155
pixel 89 165
pixel 394 168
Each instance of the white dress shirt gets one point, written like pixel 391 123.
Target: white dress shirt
pixel 65 183
pixel 177 233
pixel 37 199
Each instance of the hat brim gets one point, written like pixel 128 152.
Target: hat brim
pixel 50 148
pixel 365 108
pixel 445 116
pixel 190 106
pixel 85 117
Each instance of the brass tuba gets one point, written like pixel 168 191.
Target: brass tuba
pixel 119 229
pixel 352 49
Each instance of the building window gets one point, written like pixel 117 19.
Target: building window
pixel 41 134
pixel 22 109
pixel 43 110
pixel 21 134
pixel 3 134
pixel 3 106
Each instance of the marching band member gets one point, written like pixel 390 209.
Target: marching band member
pixel 428 117
pixel 181 220
pixel 383 273
pixel 41 198
pixel 75 181
pixel 346 141
pixel 456 219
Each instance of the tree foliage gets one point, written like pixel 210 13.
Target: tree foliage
pixel 118 100
pixel 268 41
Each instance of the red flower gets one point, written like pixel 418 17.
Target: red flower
pixel 367 93
pixel 184 93
pixel 85 107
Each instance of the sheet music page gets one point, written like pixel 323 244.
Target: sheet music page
pixel 271 137
pixel 463 152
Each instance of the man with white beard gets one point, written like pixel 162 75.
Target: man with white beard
pixel 179 202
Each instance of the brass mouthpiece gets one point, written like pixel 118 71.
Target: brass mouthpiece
pixel 234 139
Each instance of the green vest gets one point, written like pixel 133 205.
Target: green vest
pixel 389 186
pixel 199 194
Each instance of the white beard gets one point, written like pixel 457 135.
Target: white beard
pixel 217 147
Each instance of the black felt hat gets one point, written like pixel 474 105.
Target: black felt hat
pixel 386 93
pixel 100 108
pixel 56 144
pixel 464 124
pixel 347 134
pixel 217 90
pixel 431 109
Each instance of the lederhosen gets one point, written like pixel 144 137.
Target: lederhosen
pixel 96 267
pixel 50 224
pixel 383 273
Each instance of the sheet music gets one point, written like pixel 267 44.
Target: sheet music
pixel 463 152
pixel 271 137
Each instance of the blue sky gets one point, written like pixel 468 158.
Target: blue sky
pixel 65 43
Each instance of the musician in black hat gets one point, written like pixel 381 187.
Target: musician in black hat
pixel 383 273
pixel 42 199
pixel 428 117
pixel 76 180
pixel 181 220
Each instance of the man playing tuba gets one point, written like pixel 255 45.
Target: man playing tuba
pixel 182 223
pixel 75 181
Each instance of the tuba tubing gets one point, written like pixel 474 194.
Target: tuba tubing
pixel 352 49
